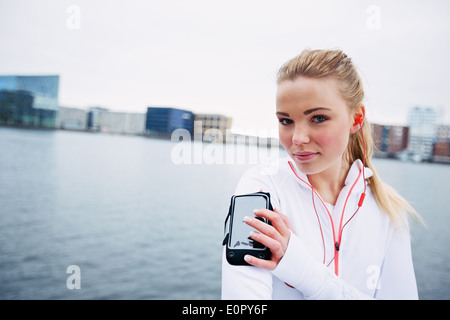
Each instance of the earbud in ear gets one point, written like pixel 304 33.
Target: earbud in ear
pixel 359 120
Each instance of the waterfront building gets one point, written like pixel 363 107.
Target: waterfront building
pixel 14 105
pixel 377 135
pixel 213 126
pixel 94 118
pixel 71 119
pixel 29 100
pixel 390 140
pixel 422 122
pixel 442 133
pixel 161 122
pixel 441 150
pixel 123 123
pixel 103 120
pixel 398 137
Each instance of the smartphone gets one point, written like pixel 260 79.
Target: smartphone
pixel 239 242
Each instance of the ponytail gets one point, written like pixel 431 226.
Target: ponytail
pixel 387 198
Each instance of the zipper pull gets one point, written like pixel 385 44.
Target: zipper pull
pixel 336 246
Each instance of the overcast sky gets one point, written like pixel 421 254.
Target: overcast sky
pixel 212 56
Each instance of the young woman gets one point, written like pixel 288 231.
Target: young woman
pixel 338 232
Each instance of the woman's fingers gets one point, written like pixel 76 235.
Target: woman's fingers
pixel 275 237
pixel 263 227
pixel 274 245
pixel 276 219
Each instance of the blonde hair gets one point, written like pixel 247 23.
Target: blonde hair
pixel 337 65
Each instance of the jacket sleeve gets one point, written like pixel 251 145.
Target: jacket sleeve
pixel 245 282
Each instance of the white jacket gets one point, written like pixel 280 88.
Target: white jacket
pixel 374 257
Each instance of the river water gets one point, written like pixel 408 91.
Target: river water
pixel 139 225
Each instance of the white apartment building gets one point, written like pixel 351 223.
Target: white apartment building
pixel 123 123
pixel 103 120
pixel 71 119
pixel 422 122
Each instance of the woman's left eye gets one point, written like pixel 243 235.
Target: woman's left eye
pixel 319 119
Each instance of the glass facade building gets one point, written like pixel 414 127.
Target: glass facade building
pixel 29 100
pixel 161 122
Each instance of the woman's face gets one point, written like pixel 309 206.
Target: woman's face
pixel 315 123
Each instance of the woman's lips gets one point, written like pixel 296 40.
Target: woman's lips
pixel 305 155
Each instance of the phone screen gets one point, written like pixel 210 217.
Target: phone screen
pixel 240 231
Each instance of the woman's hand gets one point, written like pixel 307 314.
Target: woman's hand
pixel 275 236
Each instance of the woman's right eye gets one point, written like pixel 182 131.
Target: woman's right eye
pixel 285 121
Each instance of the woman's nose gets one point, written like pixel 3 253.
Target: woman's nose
pixel 300 136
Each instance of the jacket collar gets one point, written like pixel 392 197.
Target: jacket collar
pixel 352 175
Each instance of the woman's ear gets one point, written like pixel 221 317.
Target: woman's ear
pixel 358 119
